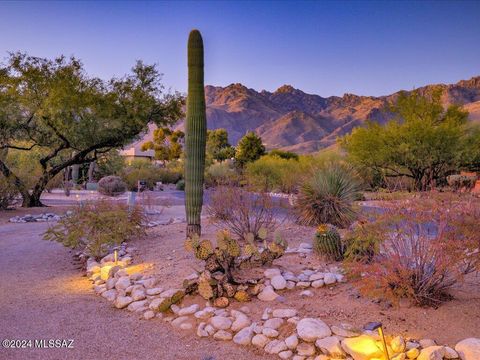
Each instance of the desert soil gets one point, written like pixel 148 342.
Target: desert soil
pixel 45 296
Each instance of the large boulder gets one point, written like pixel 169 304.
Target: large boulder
pixel 310 329
pixel 469 349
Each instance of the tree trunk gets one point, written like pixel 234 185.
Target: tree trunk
pixel 32 200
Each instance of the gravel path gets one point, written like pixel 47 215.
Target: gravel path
pixel 43 296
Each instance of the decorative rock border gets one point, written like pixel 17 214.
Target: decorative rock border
pixel 35 218
pixel 312 338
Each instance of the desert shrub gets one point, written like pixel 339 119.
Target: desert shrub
pixel 327 197
pixel 327 242
pixel 94 227
pixel 222 173
pixel 241 211
pixel 362 242
pixel 428 247
pixel 8 194
pixel 180 185
pixel 140 170
pixel 273 173
pixel 458 182
pixel 167 176
pixel 284 154
pixel 111 186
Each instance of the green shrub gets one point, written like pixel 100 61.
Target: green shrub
pixel 362 243
pixel 222 173
pixel 327 242
pixel 167 176
pixel 272 173
pixel 180 185
pixel 284 154
pixel 327 196
pixel 111 186
pixel 458 182
pixel 94 227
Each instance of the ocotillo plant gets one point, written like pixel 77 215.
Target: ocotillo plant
pixel 195 134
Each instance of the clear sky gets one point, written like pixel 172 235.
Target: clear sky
pixel 326 48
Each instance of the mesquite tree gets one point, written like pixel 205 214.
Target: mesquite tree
pixel 195 135
pixel 54 110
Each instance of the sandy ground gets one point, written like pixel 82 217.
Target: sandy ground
pixel 163 254
pixel 44 296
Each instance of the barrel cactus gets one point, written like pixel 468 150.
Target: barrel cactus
pixel 195 135
pixel 327 242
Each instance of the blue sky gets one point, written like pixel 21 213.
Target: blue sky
pixel 326 48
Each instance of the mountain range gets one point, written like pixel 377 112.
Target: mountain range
pixel 290 119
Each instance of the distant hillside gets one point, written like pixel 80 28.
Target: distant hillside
pixel 293 120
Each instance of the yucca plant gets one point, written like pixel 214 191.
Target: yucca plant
pixel 327 197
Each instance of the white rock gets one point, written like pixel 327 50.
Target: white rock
pixel 138 294
pixel 310 329
pixel 201 332
pixel 241 321
pixel 100 289
pixel 269 332
pixel 397 344
pixel 362 347
pixel 275 346
pixel 290 285
pixel 278 282
pixel 110 283
pixel 329 279
pixel 147 315
pixel 186 326
pixel 269 273
pixel 244 336
pixel 122 301
pixel 210 329
pixel 303 284
pixel 306 293
pixel 122 283
pixel 450 353
pixel 175 309
pixel 137 305
pixel 110 295
pixel 222 335
pixel 189 310
pixel 178 321
pixel 154 291
pixel 287 354
pixel 284 313
pixel 469 349
pixel 221 322
pixel 316 276
pixel 317 284
pixel 292 342
pixel 341 331
pixel 274 323
pixel 305 349
pixel 267 294
pixel 432 353
pixel 266 313
pixel 260 340
pixel 424 343
pixel 331 346
pixel 340 278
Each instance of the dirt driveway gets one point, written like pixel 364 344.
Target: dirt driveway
pixel 43 296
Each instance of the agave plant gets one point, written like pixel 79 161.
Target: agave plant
pixel 327 197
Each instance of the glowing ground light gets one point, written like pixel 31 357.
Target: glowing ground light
pixel 372 326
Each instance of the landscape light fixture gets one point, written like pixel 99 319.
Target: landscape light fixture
pixel 372 326
pixel 115 256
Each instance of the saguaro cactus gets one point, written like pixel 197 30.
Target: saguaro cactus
pixel 195 135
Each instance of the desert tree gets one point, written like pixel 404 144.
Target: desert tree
pixel 54 108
